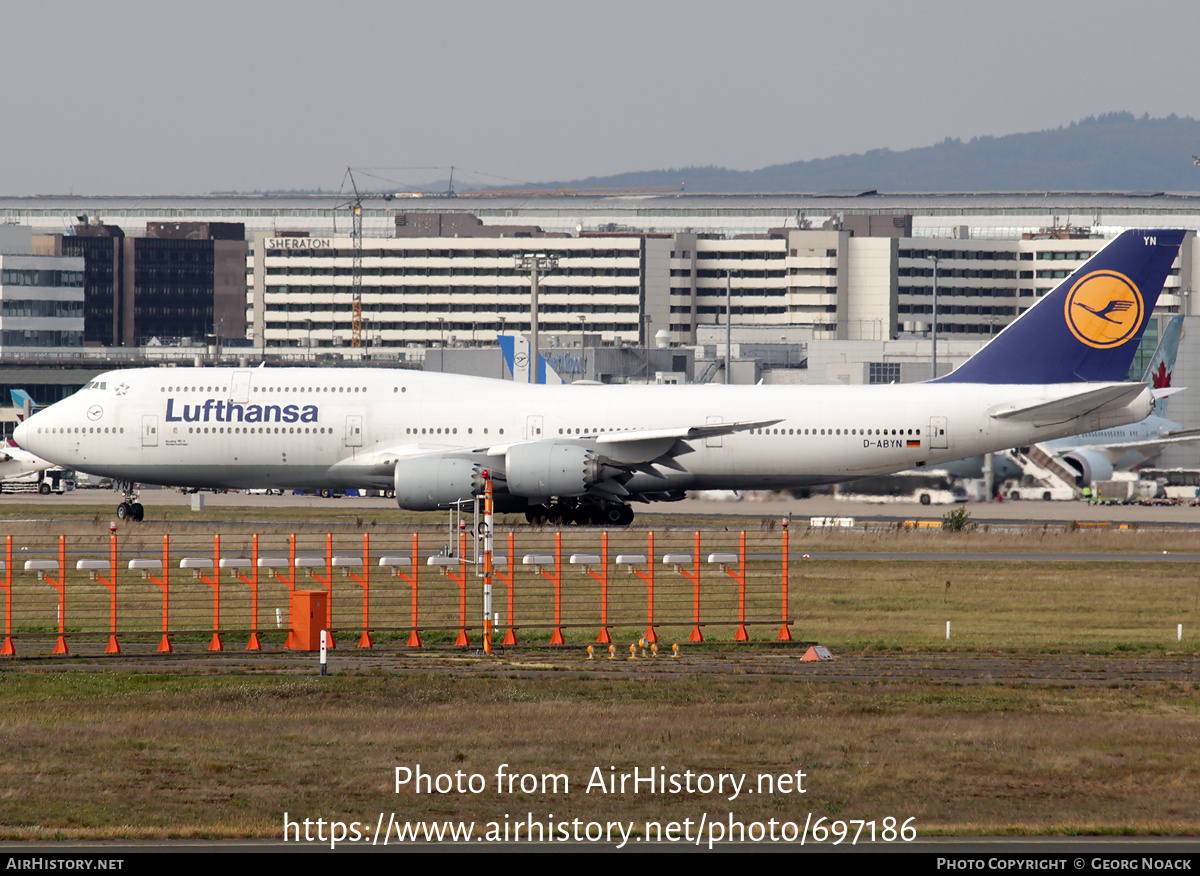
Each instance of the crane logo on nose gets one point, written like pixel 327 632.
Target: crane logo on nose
pixel 95 412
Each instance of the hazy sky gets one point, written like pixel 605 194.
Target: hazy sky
pixel 124 97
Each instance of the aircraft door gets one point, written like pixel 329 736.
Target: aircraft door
pixel 354 428
pixel 939 433
pixel 239 390
pixel 149 430
pixel 714 440
pixel 533 428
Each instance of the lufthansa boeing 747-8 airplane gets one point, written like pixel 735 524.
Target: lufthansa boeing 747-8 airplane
pixel 583 453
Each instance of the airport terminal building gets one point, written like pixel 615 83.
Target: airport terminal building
pixel 442 270
pixel 834 284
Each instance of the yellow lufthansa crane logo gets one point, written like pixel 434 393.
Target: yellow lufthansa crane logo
pixel 1104 309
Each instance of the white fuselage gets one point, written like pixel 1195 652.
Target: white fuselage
pixel 1112 441
pixel 346 427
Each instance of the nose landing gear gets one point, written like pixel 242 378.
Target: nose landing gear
pixel 130 508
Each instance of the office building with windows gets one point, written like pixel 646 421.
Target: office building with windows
pixel 41 297
pixel 179 281
pixel 836 283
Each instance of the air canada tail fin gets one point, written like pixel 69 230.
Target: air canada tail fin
pixel 1162 363
pixel 1089 326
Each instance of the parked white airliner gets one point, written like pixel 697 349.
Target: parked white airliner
pixel 582 453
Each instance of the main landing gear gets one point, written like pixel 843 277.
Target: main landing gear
pixel 130 508
pixel 581 514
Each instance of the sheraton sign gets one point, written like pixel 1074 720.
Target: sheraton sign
pixel 299 243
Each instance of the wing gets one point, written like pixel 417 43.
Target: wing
pixel 646 445
pixel 1179 436
pixel 598 464
pixel 602 464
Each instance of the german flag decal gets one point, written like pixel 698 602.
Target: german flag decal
pixel 913 442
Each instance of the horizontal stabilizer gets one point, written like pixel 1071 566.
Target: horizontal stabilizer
pixel 1177 434
pixel 1072 406
pixel 1163 393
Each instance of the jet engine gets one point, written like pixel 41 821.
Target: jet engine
pixel 544 469
pixel 426 483
pixel 1092 466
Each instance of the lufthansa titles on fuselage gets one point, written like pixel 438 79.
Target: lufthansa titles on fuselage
pixel 221 411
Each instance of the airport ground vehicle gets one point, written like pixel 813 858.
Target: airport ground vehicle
pixel 926 488
pixel 53 480
pixel 1173 483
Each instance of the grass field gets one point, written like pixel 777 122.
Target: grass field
pixel 849 604
pixel 140 748
pixel 129 756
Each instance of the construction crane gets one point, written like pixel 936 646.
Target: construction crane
pixel 354 205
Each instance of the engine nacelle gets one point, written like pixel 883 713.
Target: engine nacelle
pixel 545 469
pixel 1092 466
pixel 427 483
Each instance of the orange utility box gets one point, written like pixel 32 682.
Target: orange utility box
pixel 309 615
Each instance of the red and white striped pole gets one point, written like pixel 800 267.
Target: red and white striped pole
pixel 487 561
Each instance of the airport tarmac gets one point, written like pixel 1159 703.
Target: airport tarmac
pixel 800 510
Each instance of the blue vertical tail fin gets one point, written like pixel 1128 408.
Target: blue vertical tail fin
pixel 23 404
pixel 515 348
pixel 1089 326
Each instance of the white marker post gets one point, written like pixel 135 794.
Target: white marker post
pixel 324 652
pixel 947 630
pixel 488 520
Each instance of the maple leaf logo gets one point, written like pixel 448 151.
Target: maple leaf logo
pixel 1162 377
